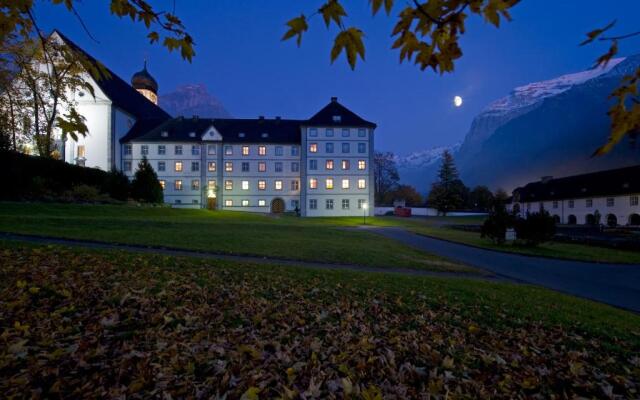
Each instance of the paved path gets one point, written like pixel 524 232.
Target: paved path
pixel 615 284
pixel 238 258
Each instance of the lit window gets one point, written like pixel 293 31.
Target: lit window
pixel 177 185
pixel 362 184
pixel 313 148
pixel 345 164
pixel 328 147
pixel 245 203
pixel 127 166
pixel 245 167
pixel 144 150
pixel 228 185
pixel 361 203
pixel 211 184
pixel 177 149
pixel 162 150
pixel 278 167
pixel 345 204
pixel 195 150
pixel 329 132
pixel 313 204
pixel 295 167
pixel 161 166
pixel 245 150
pixel 228 150
pixel 345 132
pixel 328 183
pixel 262 203
pixel 329 164
pixel 195 166
pixel 329 204
pixel 245 185
pixel 610 202
pixel 362 147
pixel 211 149
pixel 295 151
pixel 362 132
pixel 362 164
pixel 162 183
pixel 127 149
pixel 588 203
pixel 346 148
pixel 262 166
pixel 228 203
pixel 313 165
pixel 228 166
pixel 278 185
pixel 211 166
pixel 262 150
pixel 570 204
pixel 633 200
pixel 345 184
pixel 195 184
pixel 295 185
pixel 313 132
pixel 262 185
pixel 178 166
pixel 313 183
pixel 279 150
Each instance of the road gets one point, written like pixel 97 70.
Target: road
pixel 614 284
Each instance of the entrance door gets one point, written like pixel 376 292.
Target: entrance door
pixel 277 206
pixel 211 203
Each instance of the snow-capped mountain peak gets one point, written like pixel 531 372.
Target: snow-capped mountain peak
pixel 425 158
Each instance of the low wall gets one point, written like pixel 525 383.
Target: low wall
pixel 427 212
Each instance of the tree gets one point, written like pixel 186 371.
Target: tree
pixel 385 174
pixel 448 193
pixel 500 199
pixel 116 185
pixel 145 185
pixel 537 228
pixel 481 199
pixel 404 192
pixel 496 225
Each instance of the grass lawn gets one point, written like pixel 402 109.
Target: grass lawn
pixel 80 323
pixel 309 239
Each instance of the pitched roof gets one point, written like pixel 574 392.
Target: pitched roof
pixel 120 92
pixel 182 129
pixel 597 184
pixel 335 114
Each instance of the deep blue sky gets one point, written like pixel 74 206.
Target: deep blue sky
pixel 242 61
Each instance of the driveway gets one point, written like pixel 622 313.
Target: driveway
pixel 615 284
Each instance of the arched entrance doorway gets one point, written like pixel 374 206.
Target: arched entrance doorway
pixel 612 220
pixel 572 220
pixel 634 219
pixel 277 205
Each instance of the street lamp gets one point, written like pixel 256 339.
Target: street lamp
pixel 364 214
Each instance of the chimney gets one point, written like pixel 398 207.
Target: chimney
pixel 334 99
pixel 546 179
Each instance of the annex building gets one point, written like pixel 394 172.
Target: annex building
pixel 321 166
pixel 605 197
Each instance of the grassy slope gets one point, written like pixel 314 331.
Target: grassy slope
pixel 281 327
pixel 321 240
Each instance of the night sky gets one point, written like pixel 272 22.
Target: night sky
pixel 242 61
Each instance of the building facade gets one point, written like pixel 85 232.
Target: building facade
pixel 321 166
pixel 607 197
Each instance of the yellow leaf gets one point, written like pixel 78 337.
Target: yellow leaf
pixel 251 394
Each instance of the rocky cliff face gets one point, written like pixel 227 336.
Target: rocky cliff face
pixel 190 100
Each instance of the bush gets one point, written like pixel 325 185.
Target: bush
pixel 537 228
pixel 116 185
pixel 496 225
pixel 86 194
pixel 145 186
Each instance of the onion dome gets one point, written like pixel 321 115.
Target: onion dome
pixel 144 80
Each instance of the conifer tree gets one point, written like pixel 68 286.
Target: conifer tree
pixel 145 185
pixel 448 193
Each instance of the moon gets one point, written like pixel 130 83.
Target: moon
pixel 457 101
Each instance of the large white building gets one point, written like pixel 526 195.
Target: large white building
pixel 579 200
pixel 321 166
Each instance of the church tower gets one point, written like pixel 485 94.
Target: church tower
pixel 144 83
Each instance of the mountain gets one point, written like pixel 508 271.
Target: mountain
pixel 194 99
pixel 419 168
pixel 544 128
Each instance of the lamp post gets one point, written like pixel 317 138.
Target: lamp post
pixel 364 213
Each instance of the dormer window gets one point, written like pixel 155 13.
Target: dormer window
pixel 164 134
pixel 192 134
pixel 625 185
pixel 584 190
pixel 241 134
pixel 337 118
pixel 264 135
